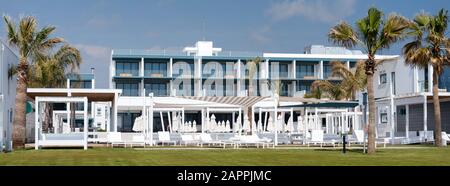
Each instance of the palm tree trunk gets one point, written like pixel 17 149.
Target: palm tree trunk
pixel 371 126
pixel 19 122
pixel 249 109
pixel 437 110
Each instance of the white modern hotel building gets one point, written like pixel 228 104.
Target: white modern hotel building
pixel 193 86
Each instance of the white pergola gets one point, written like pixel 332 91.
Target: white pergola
pixel 75 139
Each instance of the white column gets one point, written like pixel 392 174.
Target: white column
pixel 141 67
pixel 170 121
pixel 68 113
pixel 275 120
pixel 430 78
pixel 170 67
pixel 321 69
pixel 85 111
pixel 162 121
pixel 36 123
pixel 150 119
pixel 294 69
pixel 115 111
pixel 425 112
pixel 407 121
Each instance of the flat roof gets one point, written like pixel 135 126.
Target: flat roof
pixel 91 94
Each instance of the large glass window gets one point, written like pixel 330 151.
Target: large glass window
pixel 305 70
pixel 306 86
pixel 284 72
pixel 129 88
pixel 158 89
pixel 126 121
pixel 127 68
pixel 155 69
pixel 327 70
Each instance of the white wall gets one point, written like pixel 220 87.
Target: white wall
pixel 8 90
pixel 404 78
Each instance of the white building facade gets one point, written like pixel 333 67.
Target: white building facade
pixel 404 102
pixel 7 95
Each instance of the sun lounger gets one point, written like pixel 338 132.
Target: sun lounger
pixel 207 139
pixel 164 137
pixel 188 139
pixel 317 138
pixel 115 138
pixel 358 137
pixel 253 140
pixel 137 140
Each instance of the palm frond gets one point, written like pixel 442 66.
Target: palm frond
pixel 13 38
pixel 343 35
pixel 393 30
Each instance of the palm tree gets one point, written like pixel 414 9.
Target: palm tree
pixel 353 79
pixel 252 66
pixel 430 46
pixel 32 44
pixel 52 72
pixel 332 90
pixel 372 33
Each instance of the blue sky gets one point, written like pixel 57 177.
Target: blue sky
pixel 96 26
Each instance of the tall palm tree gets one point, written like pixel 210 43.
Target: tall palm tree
pixel 332 90
pixel 252 66
pixel 32 44
pixel 353 79
pixel 430 46
pixel 372 33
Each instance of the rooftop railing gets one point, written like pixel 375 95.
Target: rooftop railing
pixel 174 52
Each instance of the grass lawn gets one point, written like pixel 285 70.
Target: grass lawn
pixel 282 157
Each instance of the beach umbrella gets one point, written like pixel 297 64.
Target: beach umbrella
pixel 246 126
pixel 138 124
pixel 270 125
pixel 227 126
pixel 237 124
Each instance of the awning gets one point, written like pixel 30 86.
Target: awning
pixel 327 104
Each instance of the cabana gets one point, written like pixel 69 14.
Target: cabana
pixel 62 139
pixel 63 135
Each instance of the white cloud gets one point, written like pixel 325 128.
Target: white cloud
pixel 319 10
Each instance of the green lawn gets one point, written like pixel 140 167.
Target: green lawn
pixel 120 156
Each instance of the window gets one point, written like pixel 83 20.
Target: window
pixel 393 82
pixel 306 86
pixel 402 111
pixel 383 78
pixel 99 111
pixel 156 69
pixel 129 88
pixel 383 117
pixel 158 89
pixel 304 70
pixel 125 68
pixel 327 70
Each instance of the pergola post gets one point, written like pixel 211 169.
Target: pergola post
pixel 36 123
pixel 85 110
pixel 425 115
pixel 407 122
